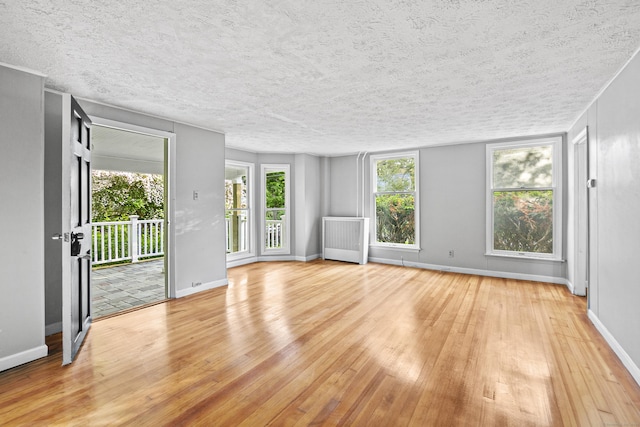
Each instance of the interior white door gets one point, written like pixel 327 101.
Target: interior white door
pixel 76 222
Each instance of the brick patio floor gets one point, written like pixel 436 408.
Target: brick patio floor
pixel 126 286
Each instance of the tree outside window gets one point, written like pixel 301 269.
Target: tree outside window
pixel 522 194
pixel 395 199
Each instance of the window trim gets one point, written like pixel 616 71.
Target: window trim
pixel 286 247
pixel 556 187
pixel 250 252
pixel 373 159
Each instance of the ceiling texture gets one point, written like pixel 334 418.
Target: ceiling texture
pixel 331 77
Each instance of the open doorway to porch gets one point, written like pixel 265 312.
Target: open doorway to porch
pixel 128 220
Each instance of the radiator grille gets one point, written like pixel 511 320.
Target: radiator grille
pixel 342 235
pixel 345 239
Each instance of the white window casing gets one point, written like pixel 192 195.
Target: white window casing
pixel 555 186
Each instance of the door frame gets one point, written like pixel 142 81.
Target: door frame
pixel 581 203
pixel 169 171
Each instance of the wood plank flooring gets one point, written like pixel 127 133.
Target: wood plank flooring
pixel 330 343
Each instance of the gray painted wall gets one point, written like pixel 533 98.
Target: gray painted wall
pixel 308 196
pixel 614 294
pixel 22 227
pixel 452 213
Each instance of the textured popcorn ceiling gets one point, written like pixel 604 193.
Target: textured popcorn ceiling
pixel 331 76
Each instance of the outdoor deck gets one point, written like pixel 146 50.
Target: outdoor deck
pixel 127 286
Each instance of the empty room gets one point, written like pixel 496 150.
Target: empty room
pixel 375 213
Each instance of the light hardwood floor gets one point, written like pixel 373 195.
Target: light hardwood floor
pixel 330 343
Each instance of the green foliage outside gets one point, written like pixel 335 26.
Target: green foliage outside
pixel 523 221
pixel 395 220
pixel 275 189
pixel 118 195
pixel 395 209
pixel 523 217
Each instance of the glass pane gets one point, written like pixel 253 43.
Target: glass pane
pixel 395 221
pixel 235 187
pixel 396 174
pixel 237 231
pixel 274 228
pixel 275 189
pixel 523 167
pixel 523 221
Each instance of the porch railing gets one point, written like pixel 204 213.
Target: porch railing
pixel 274 234
pixel 126 240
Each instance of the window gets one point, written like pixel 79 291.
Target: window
pixel 238 207
pixel 395 200
pixel 523 199
pixel 275 224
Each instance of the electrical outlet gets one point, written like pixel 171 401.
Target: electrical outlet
pixel 451 253
pixel 195 195
pixel 195 284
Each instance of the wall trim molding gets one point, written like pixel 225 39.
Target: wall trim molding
pixel 242 261
pixel 204 287
pixel 571 287
pixel 474 271
pixel 23 69
pixel 53 328
pixel 624 357
pixel 23 357
pixel 307 258
pixel 276 258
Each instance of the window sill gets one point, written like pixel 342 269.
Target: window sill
pixel 395 247
pixel 527 257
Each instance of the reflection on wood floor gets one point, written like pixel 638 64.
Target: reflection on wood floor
pixel 330 343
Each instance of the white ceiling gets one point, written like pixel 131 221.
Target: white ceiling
pixel 331 76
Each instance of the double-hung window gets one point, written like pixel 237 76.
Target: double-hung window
pixel 524 198
pixel 395 200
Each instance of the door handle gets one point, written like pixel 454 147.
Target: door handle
pixel 75 243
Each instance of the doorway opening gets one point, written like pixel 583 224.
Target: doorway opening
pixel 129 220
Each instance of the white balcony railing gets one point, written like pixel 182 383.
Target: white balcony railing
pixel 126 240
pixel 240 234
pixel 274 234
pixel 114 241
pixel 274 230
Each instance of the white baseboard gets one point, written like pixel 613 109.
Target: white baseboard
pixel 570 286
pixel 23 357
pixel 242 261
pixel 475 271
pixel 307 258
pixel 276 258
pixel 53 328
pixel 250 260
pixel 626 360
pixel 204 287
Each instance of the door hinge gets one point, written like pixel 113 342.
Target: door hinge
pixel 591 183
